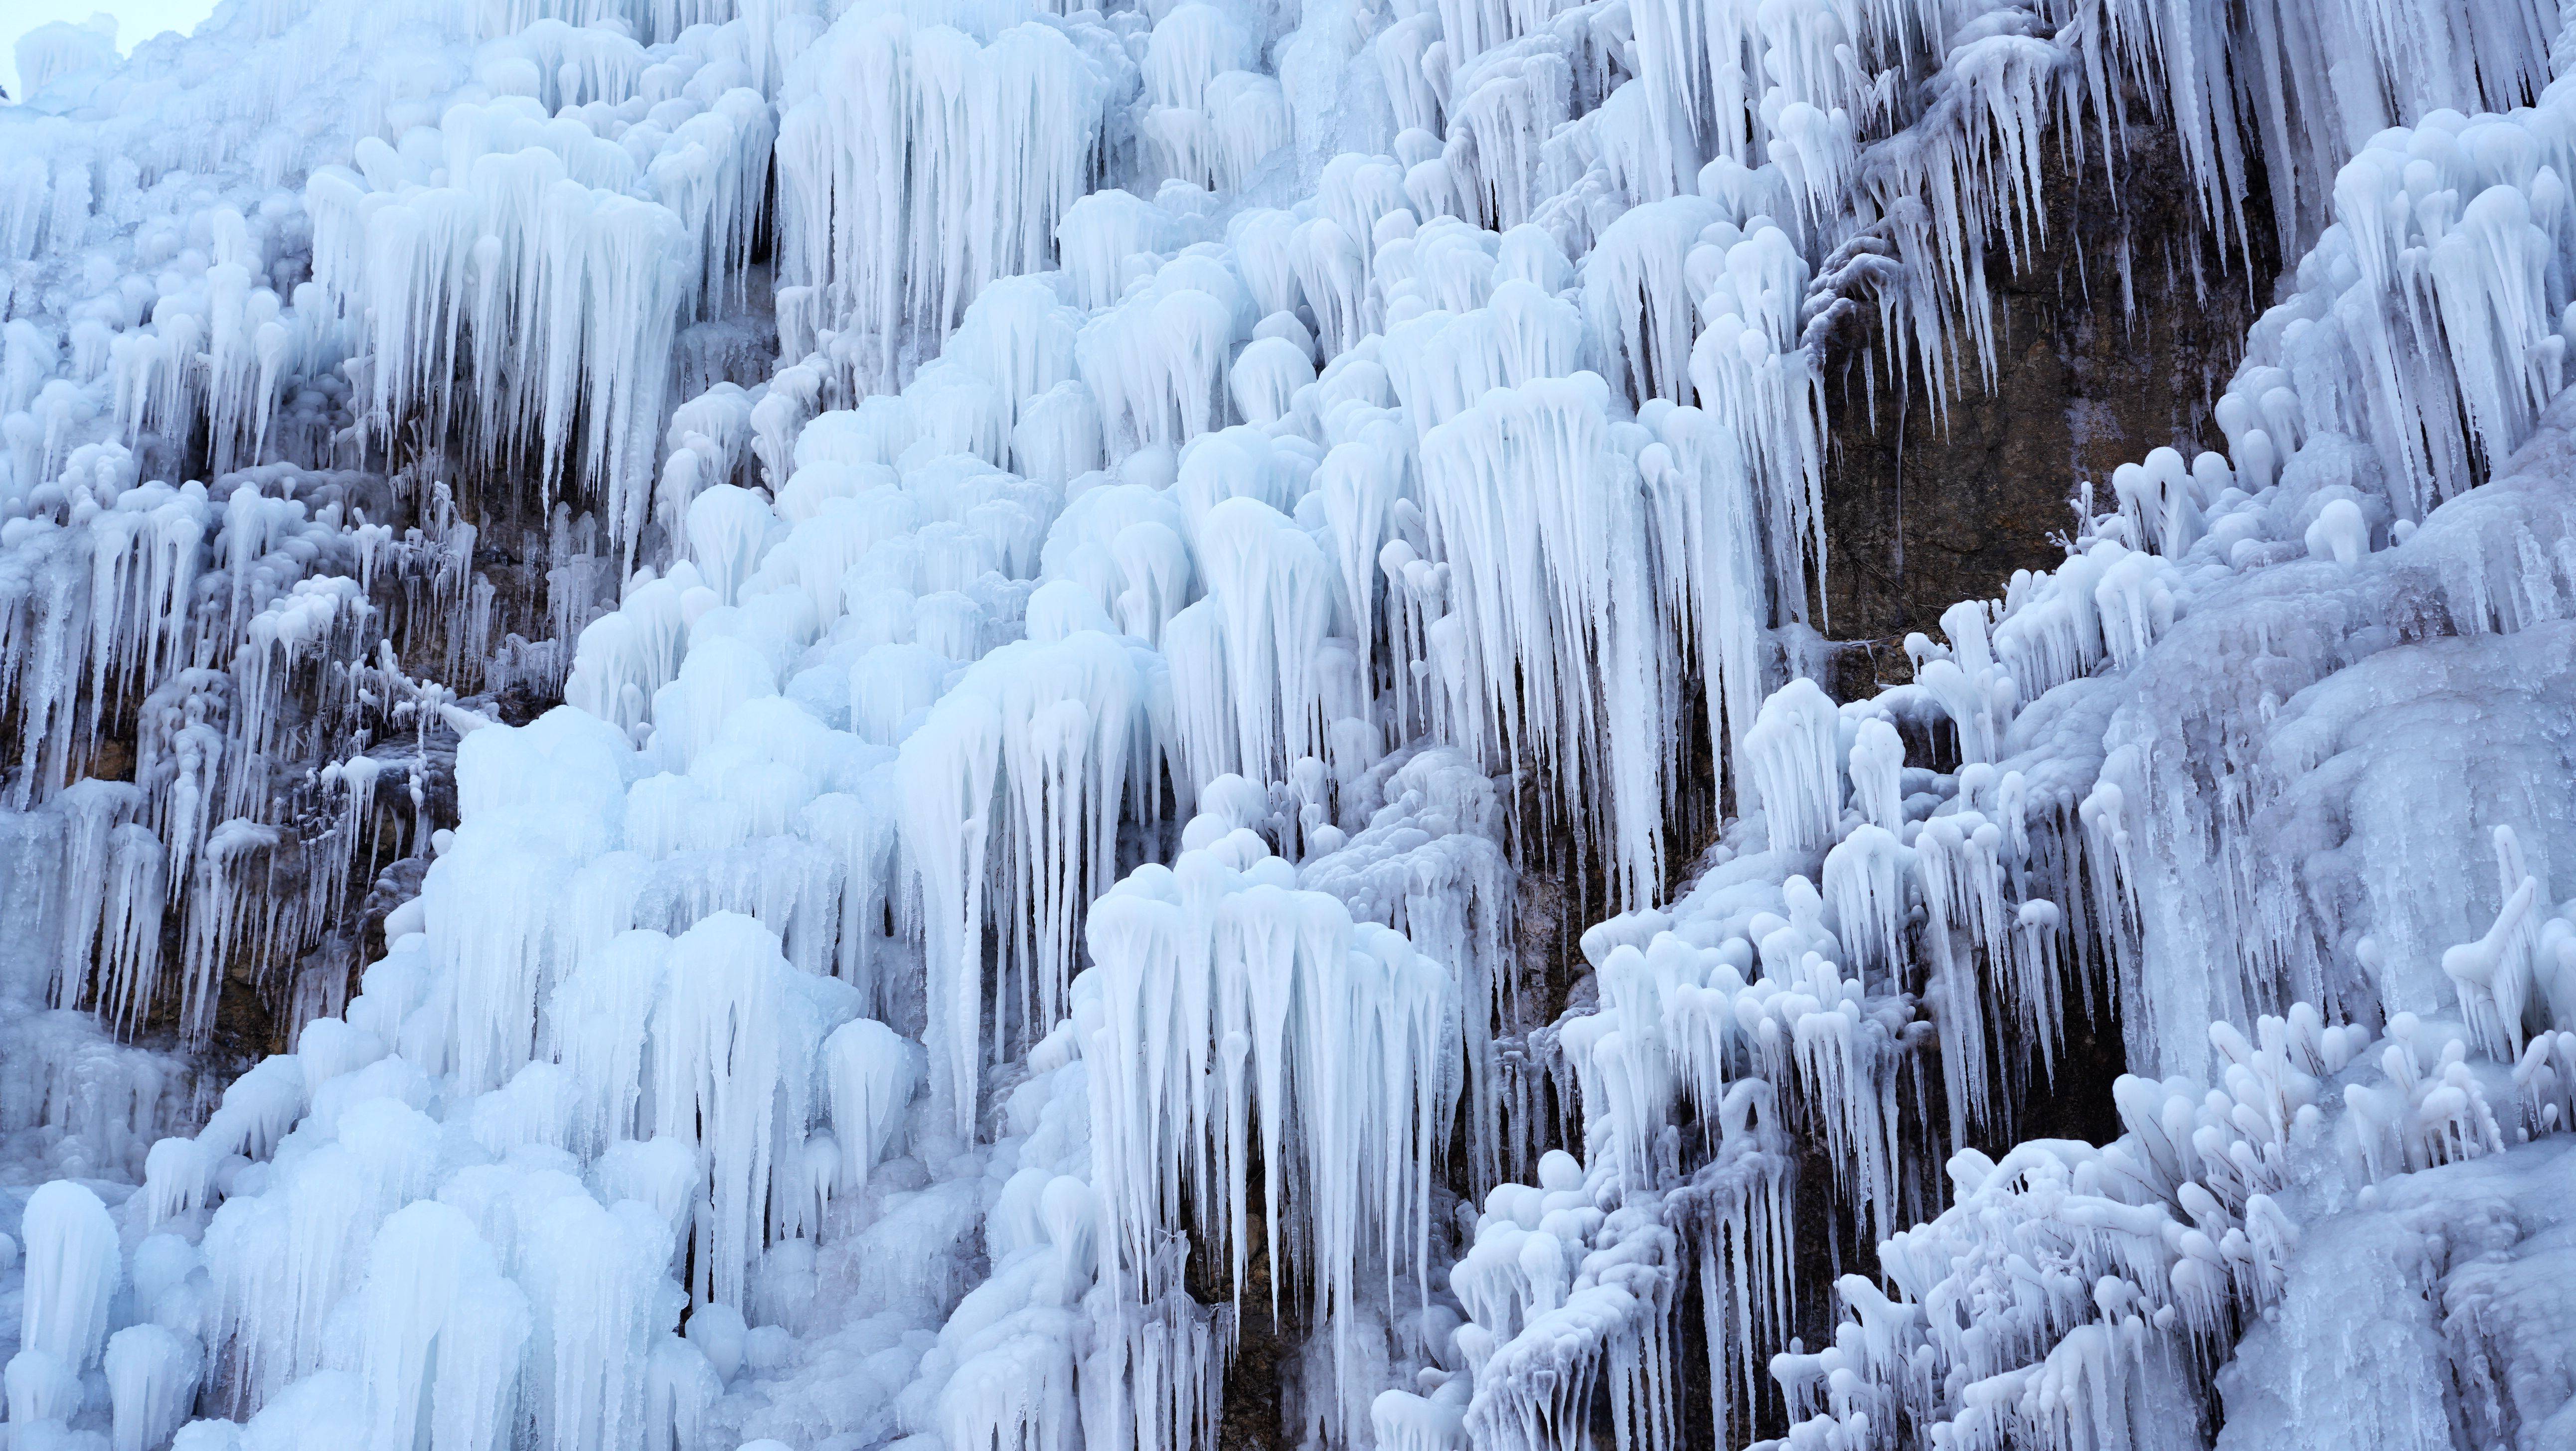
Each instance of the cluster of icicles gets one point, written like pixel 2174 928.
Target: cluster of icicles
pixel 2070 825
pixel 1019 891
pixel 271 644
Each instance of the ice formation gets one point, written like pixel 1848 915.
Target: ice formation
pixel 826 724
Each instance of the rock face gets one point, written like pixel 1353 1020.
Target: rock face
pixel 1932 500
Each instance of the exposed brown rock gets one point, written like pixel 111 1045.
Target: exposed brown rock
pixel 1926 507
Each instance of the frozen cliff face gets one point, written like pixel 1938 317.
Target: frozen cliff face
pixel 950 664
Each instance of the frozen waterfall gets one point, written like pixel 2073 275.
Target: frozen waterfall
pixel 965 725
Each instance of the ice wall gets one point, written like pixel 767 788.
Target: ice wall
pixel 1086 555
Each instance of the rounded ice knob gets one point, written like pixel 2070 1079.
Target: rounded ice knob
pixel 2340 533
pixel 718 1333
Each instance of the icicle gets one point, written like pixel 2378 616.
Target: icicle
pixel 873 1075
pixel 73 1273
pixel 1794 755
